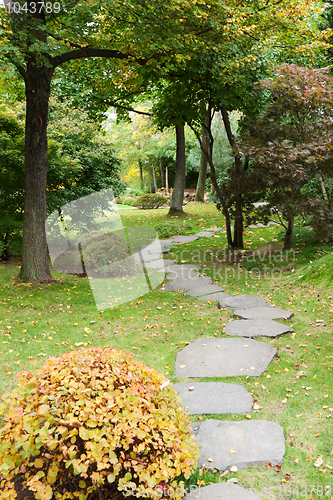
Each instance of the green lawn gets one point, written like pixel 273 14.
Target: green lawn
pixel 41 321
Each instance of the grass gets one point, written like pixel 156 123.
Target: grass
pixel 39 321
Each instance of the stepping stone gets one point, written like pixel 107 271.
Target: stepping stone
pixel 256 328
pixel 204 234
pixel 263 313
pixel 215 229
pixel 182 271
pixel 214 397
pixel 165 243
pixel 214 297
pixel 220 491
pixel 244 444
pixel 204 290
pixel 243 302
pixel 183 239
pixel 221 357
pixel 156 250
pixel 158 264
pixel 187 283
pixel 187 273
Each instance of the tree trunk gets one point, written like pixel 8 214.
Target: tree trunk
pixel 239 224
pixel 166 181
pixel 154 177
pixel 201 184
pixel 238 228
pixel 176 204
pixel 150 190
pixel 35 267
pixel 162 176
pixel 323 187
pixel 288 240
pixel 140 173
pixel 208 150
pixel 145 183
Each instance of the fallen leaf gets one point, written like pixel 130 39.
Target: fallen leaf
pixel 164 385
pixel 232 480
pixel 318 462
pixel 191 388
pixel 224 473
pixel 277 468
pixel 257 407
pixel 209 459
pixel 233 468
pixel 288 476
pixel 233 452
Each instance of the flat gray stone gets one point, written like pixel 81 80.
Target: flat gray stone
pixel 182 271
pixel 220 491
pixel 204 290
pixel 204 234
pixel 166 243
pixel 187 273
pixel 154 251
pixel 263 313
pixel 243 302
pixel 214 297
pixel 187 283
pixel 183 239
pixel 215 229
pixel 256 328
pixel 158 264
pixel 221 357
pixel 214 397
pixel 256 442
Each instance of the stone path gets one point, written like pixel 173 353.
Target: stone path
pixel 243 301
pixel 256 328
pixel 203 290
pixel 218 357
pixel 243 444
pixel 187 283
pixel 221 491
pixel 263 313
pixel 214 397
pixel 226 444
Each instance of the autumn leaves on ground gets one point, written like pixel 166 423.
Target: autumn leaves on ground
pixel 296 389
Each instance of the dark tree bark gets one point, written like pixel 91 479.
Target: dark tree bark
pixel 238 227
pixel 166 181
pixel 208 150
pixel 150 190
pixel 288 239
pixel 154 177
pixel 176 204
pixel 201 184
pixel 162 176
pixel 140 172
pixel 35 254
pixel 239 224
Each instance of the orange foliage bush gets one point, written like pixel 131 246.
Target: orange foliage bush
pixel 91 422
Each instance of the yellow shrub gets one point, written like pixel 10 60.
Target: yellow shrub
pixel 94 420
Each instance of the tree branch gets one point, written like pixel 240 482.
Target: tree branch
pixel 91 52
pixel 126 108
pixel 20 68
